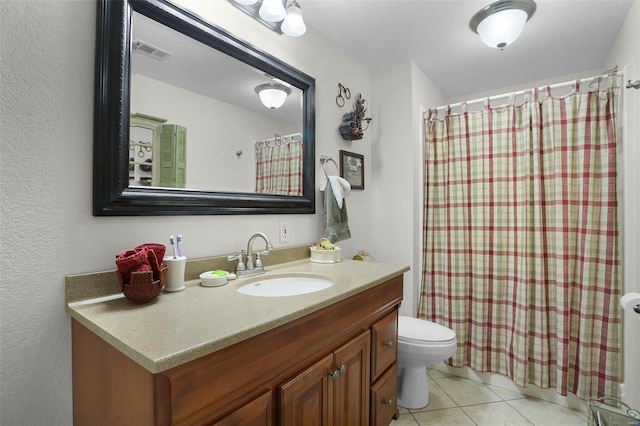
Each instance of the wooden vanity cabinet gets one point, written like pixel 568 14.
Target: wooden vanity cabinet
pixel 268 379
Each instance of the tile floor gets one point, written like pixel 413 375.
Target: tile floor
pixel 455 401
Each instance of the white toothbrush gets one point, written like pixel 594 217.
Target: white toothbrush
pixel 178 241
pixel 173 246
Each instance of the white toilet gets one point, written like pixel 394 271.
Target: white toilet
pixel 420 344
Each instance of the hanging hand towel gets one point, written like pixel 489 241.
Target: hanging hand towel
pixel 341 188
pixel 335 210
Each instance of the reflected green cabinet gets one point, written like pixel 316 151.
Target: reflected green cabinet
pixel 173 156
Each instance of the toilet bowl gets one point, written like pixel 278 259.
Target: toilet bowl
pixel 420 344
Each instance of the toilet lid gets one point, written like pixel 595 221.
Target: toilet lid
pixel 418 330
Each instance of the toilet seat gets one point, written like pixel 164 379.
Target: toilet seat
pixel 420 332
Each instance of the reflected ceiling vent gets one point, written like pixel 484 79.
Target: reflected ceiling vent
pixel 151 50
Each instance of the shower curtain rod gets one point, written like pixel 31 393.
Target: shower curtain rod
pixel 522 92
pixel 280 140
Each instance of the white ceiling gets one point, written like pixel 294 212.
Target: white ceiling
pixel 563 37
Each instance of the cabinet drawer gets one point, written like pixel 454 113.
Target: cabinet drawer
pixel 384 342
pixel 255 413
pixel 383 398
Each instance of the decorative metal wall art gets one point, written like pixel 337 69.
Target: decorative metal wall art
pixel 351 128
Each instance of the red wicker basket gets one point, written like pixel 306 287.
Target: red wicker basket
pixel 141 287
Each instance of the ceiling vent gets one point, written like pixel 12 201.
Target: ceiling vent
pixel 150 50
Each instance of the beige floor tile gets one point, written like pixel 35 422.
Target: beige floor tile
pixel 403 410
pixel 467 392
pixel 582 414
pixel 438 399
pixel 446 417
pixel 437 374
pixel 543 413
pixel 404 420
pixel 495 414
pixel 505 394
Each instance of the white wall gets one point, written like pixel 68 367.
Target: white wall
pixel 401 92
pixel 392 161
pixel 47 228
pixel 626 53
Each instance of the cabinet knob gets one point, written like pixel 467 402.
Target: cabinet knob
pixel 389 345
pixel 335 375
pixel 389 403
pixel 343 369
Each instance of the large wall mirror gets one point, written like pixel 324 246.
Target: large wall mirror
pixel 179 126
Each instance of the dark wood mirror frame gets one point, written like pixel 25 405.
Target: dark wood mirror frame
pixel 111 193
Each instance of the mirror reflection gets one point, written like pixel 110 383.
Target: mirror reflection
pixel 197 120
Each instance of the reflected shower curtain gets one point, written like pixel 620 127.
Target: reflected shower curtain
pixel 279 167
pixel 521 240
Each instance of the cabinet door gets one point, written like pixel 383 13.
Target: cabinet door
pixel 255 413
pixel 173 156
pixel 351 406
pixel 307 399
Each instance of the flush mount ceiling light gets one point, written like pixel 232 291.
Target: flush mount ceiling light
pixel 502 22
pixel 273 95
pixel 282 16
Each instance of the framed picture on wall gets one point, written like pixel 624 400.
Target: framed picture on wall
pixel 352 169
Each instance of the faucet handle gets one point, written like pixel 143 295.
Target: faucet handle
pixel 258 263
pixel 240 258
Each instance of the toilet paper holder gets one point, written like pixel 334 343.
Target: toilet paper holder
pixel 630 302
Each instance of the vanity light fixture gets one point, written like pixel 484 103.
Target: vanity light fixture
pixel 502 22
pixel 273 95
pixel 281 16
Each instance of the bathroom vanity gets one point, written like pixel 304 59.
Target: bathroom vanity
pixel 215 356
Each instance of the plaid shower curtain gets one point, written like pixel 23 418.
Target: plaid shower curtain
pixel 521 240
pixel 279 168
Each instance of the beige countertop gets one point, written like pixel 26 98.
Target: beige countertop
pixel 176 328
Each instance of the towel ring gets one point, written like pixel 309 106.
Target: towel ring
pixel 324 159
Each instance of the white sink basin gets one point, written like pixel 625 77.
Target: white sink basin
pixel 284 286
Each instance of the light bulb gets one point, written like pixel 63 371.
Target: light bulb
pixel 502 28
pixel 272 10
pixel 293 24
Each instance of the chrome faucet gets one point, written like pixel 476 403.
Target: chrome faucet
pixel 249 267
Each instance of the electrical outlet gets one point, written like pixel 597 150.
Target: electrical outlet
pixel 284 231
